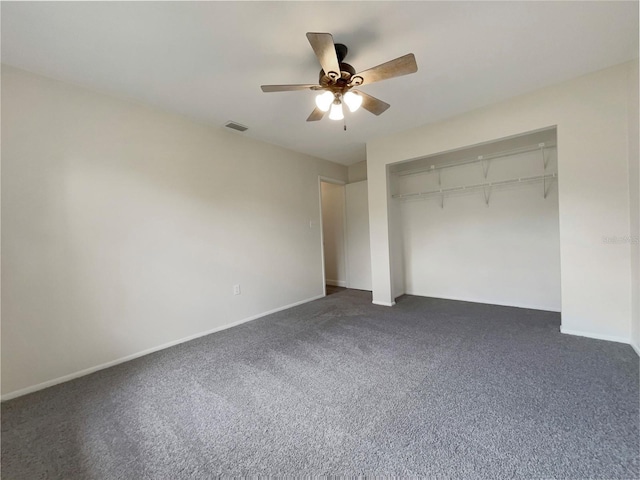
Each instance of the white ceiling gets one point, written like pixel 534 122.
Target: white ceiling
pixel 207 60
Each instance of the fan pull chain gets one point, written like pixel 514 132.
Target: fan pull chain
pixel 344 122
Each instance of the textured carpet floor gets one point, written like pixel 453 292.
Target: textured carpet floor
pixel 339 386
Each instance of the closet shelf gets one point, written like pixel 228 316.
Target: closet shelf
pixel 541 147
pixel 478 186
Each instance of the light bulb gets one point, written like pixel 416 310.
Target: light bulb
pixel 336 111
pixel 324 100
pixel 353 100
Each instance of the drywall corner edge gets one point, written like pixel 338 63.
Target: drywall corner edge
pixel 384 304
pixel 88 371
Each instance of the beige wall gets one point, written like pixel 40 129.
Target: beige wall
pixel 125 228
pixel 358 251
pixel 358 172
pixel 634 189
pixel 593 165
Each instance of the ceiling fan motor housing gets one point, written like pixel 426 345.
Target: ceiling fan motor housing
pixel 340 84
pixel 346 72
pixel 341 51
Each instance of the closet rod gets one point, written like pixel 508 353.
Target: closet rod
pixel 479 158
pixel 477 186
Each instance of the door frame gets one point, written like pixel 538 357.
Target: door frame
pixel 342 183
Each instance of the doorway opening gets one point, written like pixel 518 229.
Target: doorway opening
pixel 334 246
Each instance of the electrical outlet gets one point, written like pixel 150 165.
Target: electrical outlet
pixel 236 289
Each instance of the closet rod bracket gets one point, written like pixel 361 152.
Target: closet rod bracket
pixel 545 160
pixel 485 165
pixel 487 194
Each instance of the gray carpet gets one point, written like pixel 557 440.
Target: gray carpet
pixel 331 289
pixel 429 388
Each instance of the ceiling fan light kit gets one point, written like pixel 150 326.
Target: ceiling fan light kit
pixel 353 100
pixel 336 112
pixel 324 101
pixel 337 79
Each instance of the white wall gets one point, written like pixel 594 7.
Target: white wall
pixel 358 249
pixel 124 228
pixel 592 124
pixel 634 190
pixel 333 234
pixel 506 253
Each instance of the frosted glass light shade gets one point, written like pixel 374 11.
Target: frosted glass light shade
pixel 336 111
pixel 324 101
pixel 353 101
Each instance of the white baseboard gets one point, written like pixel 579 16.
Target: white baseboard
pixel 636 348
pixel 597 336
pixel 384 304
pixel 336 283
pixel 87 371
pixel 484 302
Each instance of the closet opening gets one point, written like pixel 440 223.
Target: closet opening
pixel 480 223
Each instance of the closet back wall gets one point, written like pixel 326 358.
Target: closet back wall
pixel 506 253
pixel 124 229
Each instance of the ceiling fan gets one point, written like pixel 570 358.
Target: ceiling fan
pixel 337 80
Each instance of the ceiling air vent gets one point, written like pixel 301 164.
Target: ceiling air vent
pixel 236 126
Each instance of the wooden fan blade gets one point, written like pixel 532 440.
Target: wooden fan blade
pixel 373 104
pixel 325 50
pixel 393 68
pixel 316 115
pixel 287 88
